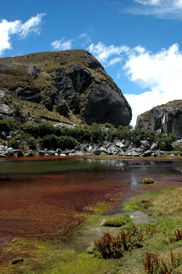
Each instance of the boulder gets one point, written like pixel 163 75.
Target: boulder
pixel 72 83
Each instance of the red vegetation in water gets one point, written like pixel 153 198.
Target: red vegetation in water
pixel 48 205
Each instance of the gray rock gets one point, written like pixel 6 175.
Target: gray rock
pixel 154 146
pixel 112 149
pixel 120 144
pixel 147 153
pixel 33 71
pixel 145 143
pixel 32 94
pixel 41 152
pixel 76 84
pixel 5 109
pixel 104 104
pixel 164 119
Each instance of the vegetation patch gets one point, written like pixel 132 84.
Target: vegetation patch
pixel 118 221
pixel 138 204
pixel 109 246
pixel 153 264
pixel 148 181
pixel 159 243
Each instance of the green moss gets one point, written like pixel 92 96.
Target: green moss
pixel 118 221
pixel 141 204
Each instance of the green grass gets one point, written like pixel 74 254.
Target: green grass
pixel 138 204
pixel 118 221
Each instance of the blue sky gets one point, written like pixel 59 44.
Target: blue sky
pixel 137 41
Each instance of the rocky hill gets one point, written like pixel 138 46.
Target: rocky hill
pixel 69 86
pixel 165 118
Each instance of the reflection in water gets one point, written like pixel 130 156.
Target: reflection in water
pixel 134 185
pixel 134 182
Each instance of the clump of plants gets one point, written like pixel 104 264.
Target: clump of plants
pixel 109 246
pixel 153 264
pixel 148 181
pixel 176 236
pixel 140 204
pixel 118 221
pixel 62 142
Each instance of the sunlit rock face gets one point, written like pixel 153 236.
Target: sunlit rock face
pixel 71 83
pixel 164 118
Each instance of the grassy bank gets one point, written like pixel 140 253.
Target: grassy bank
pixel 161 235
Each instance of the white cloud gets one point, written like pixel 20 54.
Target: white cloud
pixel 148 2
pixel 108 55
pixel 160 73
pixel 160 8
pixel 114 61
pixel 31 25
pixel 9 28
pixel 61 44
pixel 82 40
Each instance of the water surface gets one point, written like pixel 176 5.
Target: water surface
pixel 45 199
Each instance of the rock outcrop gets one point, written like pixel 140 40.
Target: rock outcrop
pixel 70 83
pixel 164 119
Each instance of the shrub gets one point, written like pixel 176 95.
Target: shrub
pixel 49 141
pixel 66 142
pixel 177 236
pixel 153 264
pixel 31 142
pixel 53 142
pixel 165 142
pixel 15 143
pixel 109 246
pixel 38 130
pixel 8 125
pixel 124 132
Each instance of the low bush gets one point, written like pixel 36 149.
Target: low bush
pixel 31 142
pixel 15 143
pixel 8 125
pixel 165 142
pixel 109 246
pixel 62 142
pixel 153 264
pixel 176 236
pixel 38 130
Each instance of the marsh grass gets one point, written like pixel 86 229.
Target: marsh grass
pixel 118 221
pixel 51 258
pixel 138 204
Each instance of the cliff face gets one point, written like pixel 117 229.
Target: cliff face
pixel 164 118
pixel 68 85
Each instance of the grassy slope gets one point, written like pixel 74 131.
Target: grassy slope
pixel 39 257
